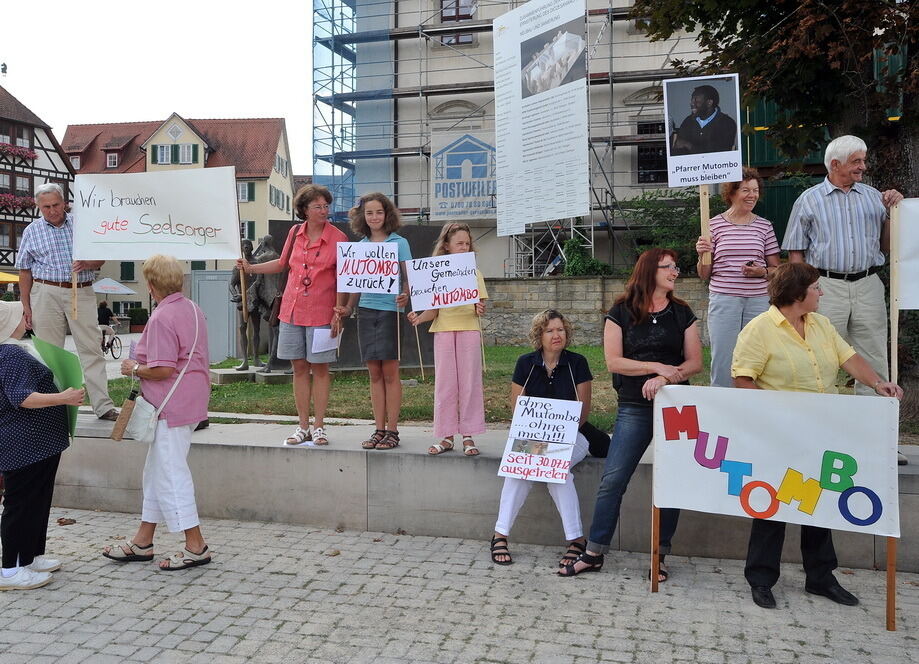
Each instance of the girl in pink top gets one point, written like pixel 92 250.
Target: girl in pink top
pixel 175 337
pixel 309 302
pixel 459 399
pixel 744 251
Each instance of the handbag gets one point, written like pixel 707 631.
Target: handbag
pixel 142 425
pixel 274 317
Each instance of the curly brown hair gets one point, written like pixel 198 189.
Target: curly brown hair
pixel 541 321
pixel 306 195
pixel 359 222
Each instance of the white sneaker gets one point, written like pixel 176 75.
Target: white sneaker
pixel 25 579
pixel 43 564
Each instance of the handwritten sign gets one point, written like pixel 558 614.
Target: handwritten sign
pixel 541 440
pixel 443 281
pixel 368 267
pixel 828 460
pixel 190 214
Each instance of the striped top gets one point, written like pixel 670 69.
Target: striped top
pixel 732 246
pixel 836 230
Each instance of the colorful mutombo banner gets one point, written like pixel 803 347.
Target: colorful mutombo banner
pixel 191 214
pixel 442 281
pixel 541 440
pixel 908 254
pixel 368 267
pixel 827 460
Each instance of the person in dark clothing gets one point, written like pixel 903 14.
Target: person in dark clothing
pixel 707 128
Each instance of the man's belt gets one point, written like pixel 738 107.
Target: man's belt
pixel 63 284
pixel 849 276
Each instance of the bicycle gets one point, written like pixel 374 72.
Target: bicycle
pixel 110 344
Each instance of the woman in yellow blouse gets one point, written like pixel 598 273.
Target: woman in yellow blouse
pixel 791 347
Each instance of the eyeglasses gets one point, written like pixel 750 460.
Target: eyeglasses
pixel 319 207
pixel 669 266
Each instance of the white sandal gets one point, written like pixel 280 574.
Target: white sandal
pixel 444 445
pixel 470 449
pixel 319 435
pixel 298 437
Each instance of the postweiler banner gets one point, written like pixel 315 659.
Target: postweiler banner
pixel 190 214
pixel 827 460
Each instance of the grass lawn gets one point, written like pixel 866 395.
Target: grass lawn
pixel 350 397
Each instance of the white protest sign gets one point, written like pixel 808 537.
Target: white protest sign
pixel 908 254
pixel 703 130
pixel 368 267
pixel 541 440
pixel 826 460
pixel 442 281
pixel 190 214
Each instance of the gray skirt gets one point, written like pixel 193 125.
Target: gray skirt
pixel 376 334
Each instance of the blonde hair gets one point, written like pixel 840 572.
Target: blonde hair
pixel 541 322
pixel 447 232
pixel 164 274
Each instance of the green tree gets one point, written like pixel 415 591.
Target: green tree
pixel 841 65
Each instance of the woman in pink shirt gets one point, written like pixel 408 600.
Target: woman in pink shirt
pixel 308 304
pixel 175 336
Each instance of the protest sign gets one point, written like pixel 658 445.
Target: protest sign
pixel 189 214
pixel 541 440
pixel 442 281
pixel 825 460
pixel 66 369
pixel 907 255
pixel 368 267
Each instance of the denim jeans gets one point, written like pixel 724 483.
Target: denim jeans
pixel 727 316
pixel 631 437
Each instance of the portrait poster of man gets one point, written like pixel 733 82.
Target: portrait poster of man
pixel 702 120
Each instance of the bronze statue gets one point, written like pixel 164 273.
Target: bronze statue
pixel 261 294
pixel 243 340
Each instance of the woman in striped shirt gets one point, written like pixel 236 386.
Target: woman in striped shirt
pixel 744 252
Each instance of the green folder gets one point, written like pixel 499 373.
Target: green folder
pixel 66 369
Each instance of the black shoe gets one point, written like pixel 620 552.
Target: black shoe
pixel 835 592
pixel 203 424
pixel 110 415
pixel 901 459
pixel 762 596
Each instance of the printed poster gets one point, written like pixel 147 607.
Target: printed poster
pixel 462 176
pixel 827 460
pixel 907 258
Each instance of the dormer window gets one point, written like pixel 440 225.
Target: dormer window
pixel 111 160
pixel 185 153
pixel 75 162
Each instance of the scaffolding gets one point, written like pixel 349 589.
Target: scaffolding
pixel 388 74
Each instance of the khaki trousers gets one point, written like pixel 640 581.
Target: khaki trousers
pixel 858 312
pixel 50 317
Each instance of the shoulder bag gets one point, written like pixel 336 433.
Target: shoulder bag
pixel 274 317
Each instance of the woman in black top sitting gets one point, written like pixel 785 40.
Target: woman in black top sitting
pixel 650 340
pixel 549 372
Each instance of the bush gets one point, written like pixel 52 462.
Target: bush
pixel 578 263
pixel 138 316
pixel 8 297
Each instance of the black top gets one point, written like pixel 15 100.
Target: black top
pixel 660 341
pixel 105 315
pixel 531 373
pixel 719 135
pixel 27 435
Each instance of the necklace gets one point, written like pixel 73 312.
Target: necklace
pixel 658 314
pixel 733 218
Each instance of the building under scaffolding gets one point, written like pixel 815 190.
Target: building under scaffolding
pixel 393 76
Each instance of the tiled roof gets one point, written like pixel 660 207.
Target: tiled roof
pixel 13 109
pixel 301 181
pixel 249 144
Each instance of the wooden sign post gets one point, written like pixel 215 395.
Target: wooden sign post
pixel 704 217
pixel 894 371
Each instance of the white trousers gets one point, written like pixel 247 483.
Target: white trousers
pixel 169 492
pixel 565 496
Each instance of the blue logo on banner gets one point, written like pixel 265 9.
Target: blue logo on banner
pixel 464 179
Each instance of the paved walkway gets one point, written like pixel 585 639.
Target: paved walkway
pixel 296 594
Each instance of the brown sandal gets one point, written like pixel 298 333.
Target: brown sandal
pixel 372 442
pixel 390 440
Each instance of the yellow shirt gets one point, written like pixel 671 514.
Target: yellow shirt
pixel 461 318
pixel 772 353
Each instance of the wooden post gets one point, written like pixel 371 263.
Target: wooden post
pixel 704 216
pixel 73 295
pixel 655 545
pixel 420 359
pixel 894 371
pixel 398 335
pixel 243 287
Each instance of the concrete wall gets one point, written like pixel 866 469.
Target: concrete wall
pixel 242 472
pixel 584 300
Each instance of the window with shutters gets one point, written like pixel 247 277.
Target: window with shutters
pixel 127 271
pixel 247 230
pixel 163 154
pixel 245 192
pixel 111 160
pixel 186 153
